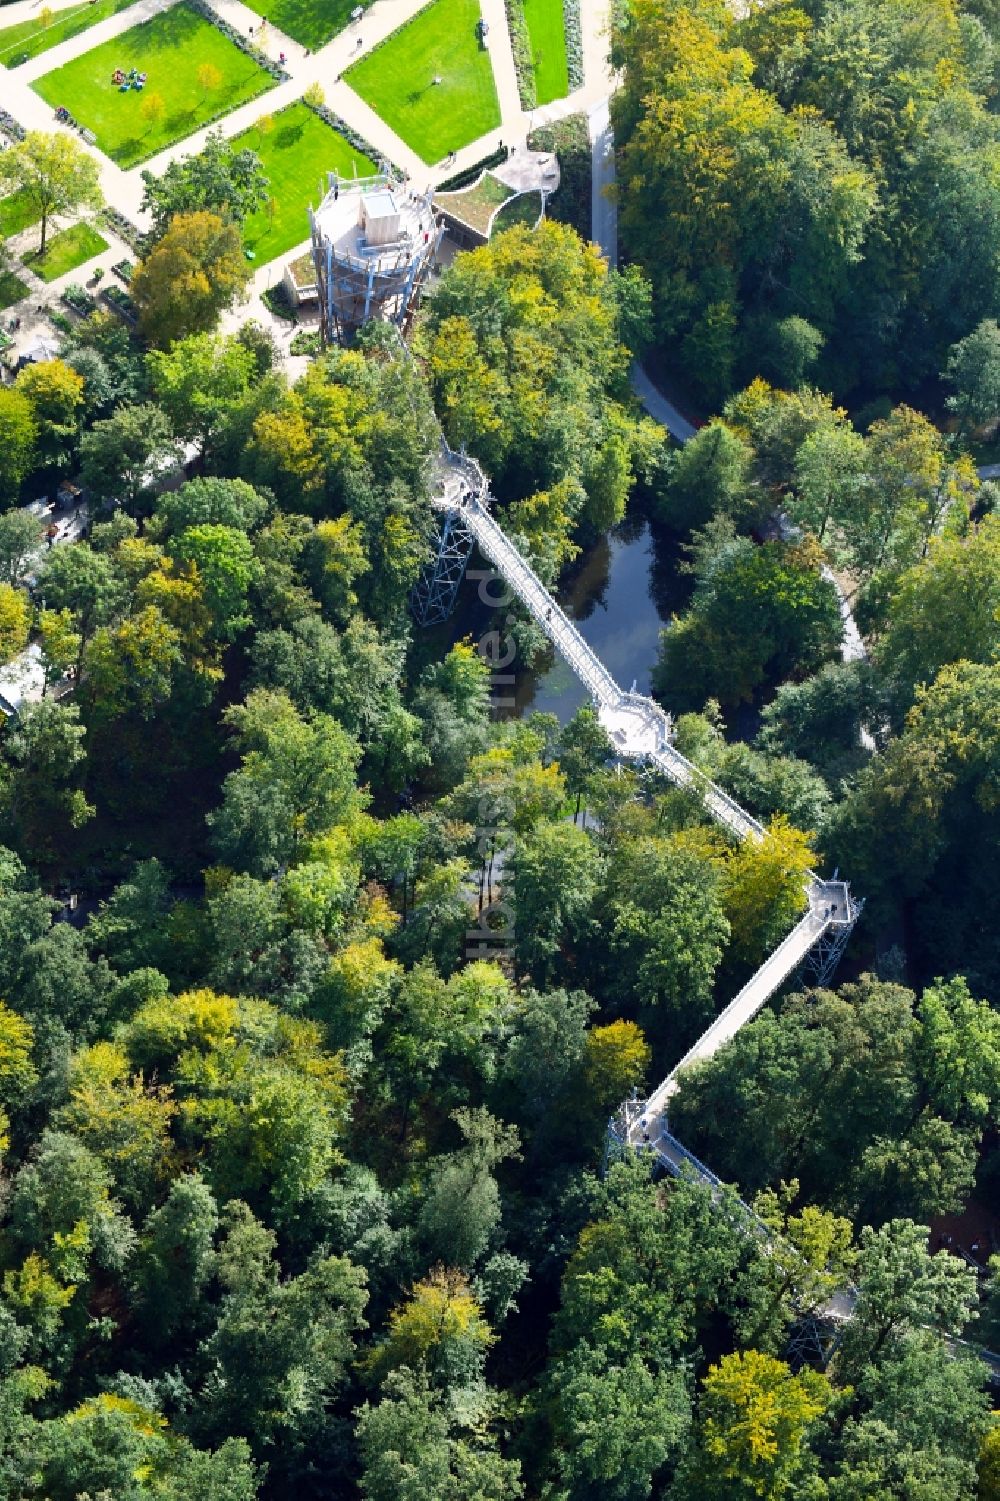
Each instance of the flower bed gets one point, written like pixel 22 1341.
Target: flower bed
pixel 276 302
pixel 306 341
pixel 121 302
pixel 124 270
pixel 351 136
pixel 122 226
pixel 11 127
pixel 471 174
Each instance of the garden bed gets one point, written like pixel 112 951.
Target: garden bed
pixel 278 305
pixel 11 128
pixel 306 341
pixel 121 303
pixel 123 227
pixel 79 299
pixel 520 45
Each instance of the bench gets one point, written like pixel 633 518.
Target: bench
pixel 88 136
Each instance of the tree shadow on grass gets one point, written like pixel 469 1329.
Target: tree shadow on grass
pixel 288 135
pixel 128 152
pixel 182 123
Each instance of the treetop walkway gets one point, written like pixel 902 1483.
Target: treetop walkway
pixel 641 731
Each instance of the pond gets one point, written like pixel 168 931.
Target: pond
pixel 621 593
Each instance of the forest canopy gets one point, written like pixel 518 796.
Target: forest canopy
pixel 811 188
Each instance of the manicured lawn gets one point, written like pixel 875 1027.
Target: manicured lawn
pixel 311 22
pixel 17 212
pixel 547 32
pixel 297 152
pixel 66 250
pixel 12 289
pixel 397 80
pixel 170 48
pixel 29 38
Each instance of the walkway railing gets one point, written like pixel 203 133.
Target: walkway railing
pixel 778 965
pixel 644 725
pixel 528 587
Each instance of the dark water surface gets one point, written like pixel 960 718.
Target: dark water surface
pixel 621 593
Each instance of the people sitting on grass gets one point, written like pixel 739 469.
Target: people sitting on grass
pixel 123 81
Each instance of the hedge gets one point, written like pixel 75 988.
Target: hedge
pixel 574 43
pixel 521 47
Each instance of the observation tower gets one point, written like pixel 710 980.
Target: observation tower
pixel 374 240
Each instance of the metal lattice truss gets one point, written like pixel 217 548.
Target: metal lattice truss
pixel 358 280
pixel 813 1339
pixel 825 953
pixel 457 480
pixel 434 593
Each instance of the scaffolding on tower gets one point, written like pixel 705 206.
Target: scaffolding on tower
pixel 374 243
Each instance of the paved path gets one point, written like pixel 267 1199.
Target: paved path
pixel 658 406
pixel 504 73
pixel 603 208
pixel 604 231
pixel 595 27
